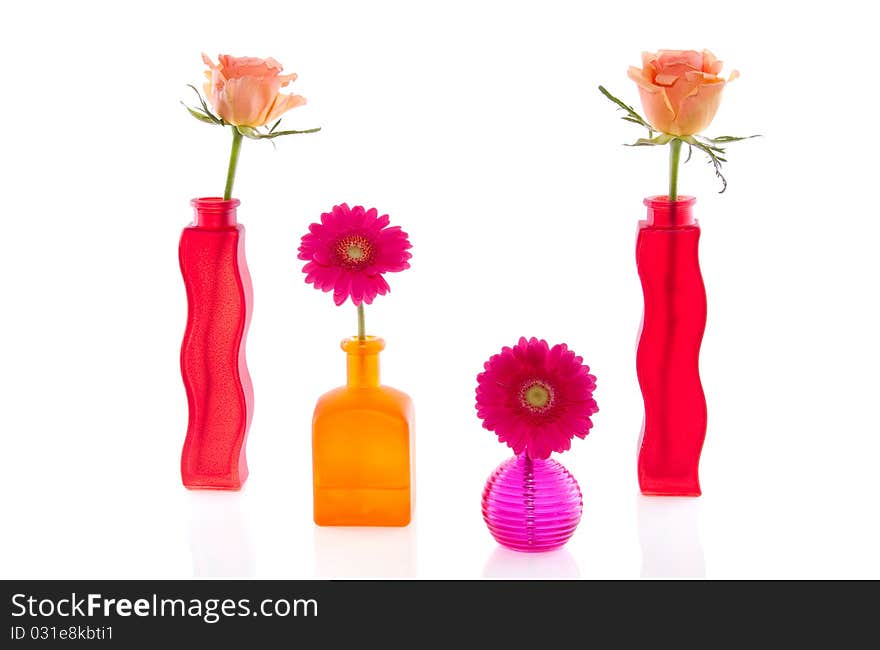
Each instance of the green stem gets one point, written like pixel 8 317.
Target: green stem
pixel 233 163
pixel 361 327
pixel 674 157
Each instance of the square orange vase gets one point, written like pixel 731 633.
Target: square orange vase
pixel 362 446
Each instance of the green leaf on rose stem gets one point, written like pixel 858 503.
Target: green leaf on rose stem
pixel 253 134
pixel 205 108
pixel 201 117
pixel 275 126
pixel 631 115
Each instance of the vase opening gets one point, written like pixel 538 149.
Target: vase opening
pixel 664 213
pixel 215 212
pixel 363 360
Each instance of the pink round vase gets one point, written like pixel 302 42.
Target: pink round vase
pixel 531 505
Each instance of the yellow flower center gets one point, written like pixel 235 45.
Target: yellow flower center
pixel 354 251
pixel 537 396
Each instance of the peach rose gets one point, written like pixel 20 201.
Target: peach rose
pixel 680 89
pixel 245 90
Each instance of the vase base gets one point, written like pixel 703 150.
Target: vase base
pixel 532 550
pixel 670 493
pixel 667 488
pixel 362 507
pixel 212 483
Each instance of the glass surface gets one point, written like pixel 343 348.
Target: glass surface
pixel 667 360
pixel 212 357
pixel 531 505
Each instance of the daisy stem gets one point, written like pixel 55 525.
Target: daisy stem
pixel 361 327
pixel 674 157
pixel 233 163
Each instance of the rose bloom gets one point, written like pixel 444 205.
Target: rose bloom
pixel 680 89
pixel 245 90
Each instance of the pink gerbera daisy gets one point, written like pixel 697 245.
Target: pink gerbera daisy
pixel 350 249
pixel 536 398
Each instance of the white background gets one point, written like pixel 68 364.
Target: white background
pixel 478 127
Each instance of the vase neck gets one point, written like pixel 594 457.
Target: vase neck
pixel 363 361
pixel 215 212
pixel 664 213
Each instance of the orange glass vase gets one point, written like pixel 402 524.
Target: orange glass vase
pixel 362 446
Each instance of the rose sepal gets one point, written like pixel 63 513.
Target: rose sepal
pixel 253 134
pixel 657 141
pixel 716 154
pixel 710 146
pixel 205 115
pixel 631 114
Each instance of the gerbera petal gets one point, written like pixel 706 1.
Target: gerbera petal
pixel 358 214
pixel 536 352
pixel 380 285
pixel 312 272
pixel 357 288
pixel 370 291
pixel 342 290
pixel 329 277
pixel 322 255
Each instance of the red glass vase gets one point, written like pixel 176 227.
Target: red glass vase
pixel 212 357
pixel 668 354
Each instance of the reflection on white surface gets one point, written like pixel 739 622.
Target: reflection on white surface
pixel 365 552
pixel 513 565
pixel 669 534
pixel 218 536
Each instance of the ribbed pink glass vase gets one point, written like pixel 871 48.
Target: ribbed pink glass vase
pixel 531 505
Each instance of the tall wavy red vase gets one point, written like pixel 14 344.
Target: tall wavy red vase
pixel 212 357
pixel 668 354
